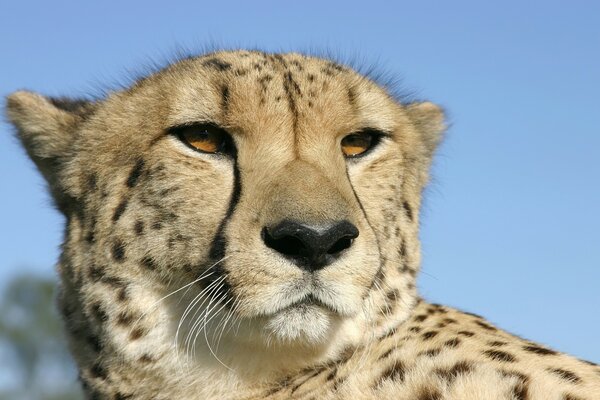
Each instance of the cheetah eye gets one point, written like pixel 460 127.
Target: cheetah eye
pixel 357 144
pixel 205 138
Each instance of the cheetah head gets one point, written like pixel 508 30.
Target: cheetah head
pixel 275 194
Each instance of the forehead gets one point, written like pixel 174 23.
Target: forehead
pixel 250 90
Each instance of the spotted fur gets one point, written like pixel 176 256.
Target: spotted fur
pixel 168 290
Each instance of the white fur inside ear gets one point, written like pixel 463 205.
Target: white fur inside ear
pixel 46 130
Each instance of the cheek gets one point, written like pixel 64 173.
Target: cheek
pixel 177 212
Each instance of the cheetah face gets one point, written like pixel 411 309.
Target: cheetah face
pixel 281 191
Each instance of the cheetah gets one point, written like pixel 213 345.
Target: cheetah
pixel 244 225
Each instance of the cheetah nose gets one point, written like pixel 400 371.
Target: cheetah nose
pixel 310 247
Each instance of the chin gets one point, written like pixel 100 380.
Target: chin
pixel 302 324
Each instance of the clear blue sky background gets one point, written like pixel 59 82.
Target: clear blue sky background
pixel 511 226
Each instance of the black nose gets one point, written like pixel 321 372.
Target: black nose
pixel 308 246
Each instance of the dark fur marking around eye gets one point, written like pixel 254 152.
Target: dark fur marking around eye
pixel 217 64
pixel 565 375
pixel 218 245
pixel 136 173
pixel 539 350
pixel 119 210
pixel 498 355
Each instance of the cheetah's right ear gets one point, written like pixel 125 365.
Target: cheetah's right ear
pixel 429 120
pixel 47 127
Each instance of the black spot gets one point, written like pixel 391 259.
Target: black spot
pixel 395 373
pixel 138 227
pixel 92 182
pixel 568 396
pixel 466 333
pixel 497 343
pixel 421 318
pixel 485 326
pixel 430 352
pixel 224 99
pixel 450 374
pixel 217 64
pixel 387 353
pixel 137 333
pixel 408 210
pixel 415 329
pixel 429 335
pixel 95 273
pixel 473 315
pixel 428 393
pixel 122 396
pixel 148 263
pixel 136 172
pixel 498 355
pixel 97 371
pixel 521 391
pixel 94 342
pixel 125 318
pixel 452 343
pixel 539 350
pixel 566 375
pixel 119 210
pixel 118 251
pixel 99 313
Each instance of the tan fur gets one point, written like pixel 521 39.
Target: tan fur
pixel 153 313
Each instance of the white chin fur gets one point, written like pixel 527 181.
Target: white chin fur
pixel 305 323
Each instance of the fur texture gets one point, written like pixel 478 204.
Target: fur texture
pixel 168 289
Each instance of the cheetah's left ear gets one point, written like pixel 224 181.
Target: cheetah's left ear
pixel 429 121
pixel 47 128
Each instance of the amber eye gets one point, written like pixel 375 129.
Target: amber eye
pixel 205 138
pixel 356 144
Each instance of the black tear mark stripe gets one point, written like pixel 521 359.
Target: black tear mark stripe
pixel 219 243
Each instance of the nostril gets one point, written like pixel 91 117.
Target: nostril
pixel 288 245
pixel 310 247
pixel 340 245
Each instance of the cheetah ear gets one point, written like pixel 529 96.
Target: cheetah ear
pixel 429 121
pixel 47 129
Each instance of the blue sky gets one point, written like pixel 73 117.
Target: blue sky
pixel 510 227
